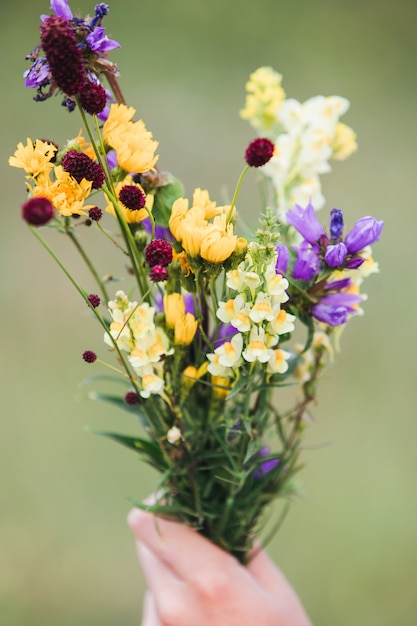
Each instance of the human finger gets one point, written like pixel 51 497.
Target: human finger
pixel 270 577
pixel 186 553
pixel 150 615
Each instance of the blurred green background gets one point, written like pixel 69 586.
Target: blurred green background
pixel 349 546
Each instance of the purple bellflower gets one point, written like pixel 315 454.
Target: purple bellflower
pixel 366 231
pixel 332 251
pixel 306 222
pixel 307 264
pixel 282 259
pixel 334 308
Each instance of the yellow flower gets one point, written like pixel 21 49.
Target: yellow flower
pixel 264 98
pixel 174 308
pixel 192 236
pixel 217 244
pixel 201 199
pixel 185 329
pixel 34 158
pixel 178 213
pixel 221 386
pixel 131 217
pixel 65 193
pixel 182 259
pixel 135 148
pixel 344 142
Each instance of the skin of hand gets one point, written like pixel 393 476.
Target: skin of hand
pixel 192 582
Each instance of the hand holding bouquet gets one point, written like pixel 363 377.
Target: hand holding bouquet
pixel 202 341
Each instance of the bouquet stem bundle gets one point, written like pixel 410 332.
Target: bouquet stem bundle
pixel 203 341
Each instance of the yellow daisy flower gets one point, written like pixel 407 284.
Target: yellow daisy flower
pixel 34 158
pixel 135 148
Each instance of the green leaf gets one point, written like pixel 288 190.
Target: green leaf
pixel 134 409
pixel 164 198
pixel 147 447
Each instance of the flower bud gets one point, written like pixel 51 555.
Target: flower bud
pixel 37 211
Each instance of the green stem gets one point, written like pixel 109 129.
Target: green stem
pixel 89 264
pixel 84 296
pixel 235 195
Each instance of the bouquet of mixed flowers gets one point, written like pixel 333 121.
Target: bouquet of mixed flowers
pixel 202 341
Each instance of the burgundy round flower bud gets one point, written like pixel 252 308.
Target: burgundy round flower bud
pixel 89 356
pixel 132 197
pixel 158 274
pixel 37 211
pixel 95 214
pixel 94 300
pixel 93 98
pixel 80 166
pixel 131 398
pixel 62 54
pixel 259 152
pixel 158 252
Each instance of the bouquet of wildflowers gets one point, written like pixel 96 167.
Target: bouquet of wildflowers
pixel 202 341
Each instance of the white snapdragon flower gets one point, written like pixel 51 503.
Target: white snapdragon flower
pixel 257 349
pixel 262 309
pixel 149 350
pixel 276 285
pixel 278 361
pixel 229 353
pixel 151 383
pixel 282 322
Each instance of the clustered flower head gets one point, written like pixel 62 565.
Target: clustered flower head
pixel 75 51
pixel 259 152
pixel 80 166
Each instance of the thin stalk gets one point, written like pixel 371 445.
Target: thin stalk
pixel 84 296
pixel 235 195
pixel 89 264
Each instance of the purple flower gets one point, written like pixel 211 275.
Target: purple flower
pixel 307 263
pixel 38 75
pixel 338 285
pixel 334 308
pixel 282 260
pixel 365 232
pixel 101 10
pixel 335 254
pixel 266 466
pixel 225 333
pixel 99 42
pixel 306 222
pixel 336 224
pixel 61 8
pixel 160 231
pixel 354 263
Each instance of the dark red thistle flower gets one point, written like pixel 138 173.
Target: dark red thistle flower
pixel 259 152
pixel 92 98
pixel 37 211
pixel 158 274
pixel 62 54
pixel 132 197
pixel 94 300
pixel 80 166
pixel 95 214
pixel 131 398
pixel 158 252
pixel 89 356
